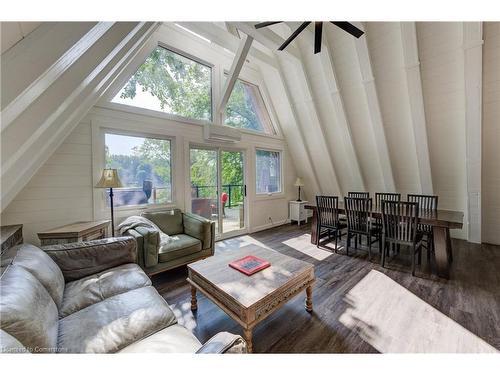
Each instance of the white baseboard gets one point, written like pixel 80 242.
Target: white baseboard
pixel 269 226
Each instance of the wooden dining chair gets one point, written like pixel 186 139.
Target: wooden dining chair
pixel 328 218
pixel 358 194
pixel 379 197
pixel 359 223
pixel 427 205
pixel 400 227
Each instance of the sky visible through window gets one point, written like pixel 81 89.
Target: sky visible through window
pixel 122 145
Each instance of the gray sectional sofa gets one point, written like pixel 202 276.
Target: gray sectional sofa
pixel 90 297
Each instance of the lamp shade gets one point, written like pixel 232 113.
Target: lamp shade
pixel 298 182
pixel 109 179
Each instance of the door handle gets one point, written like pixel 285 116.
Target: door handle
pixel 245 188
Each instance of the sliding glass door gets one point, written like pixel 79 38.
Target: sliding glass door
pixel 218 188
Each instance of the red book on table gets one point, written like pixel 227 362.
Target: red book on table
pixel 249 264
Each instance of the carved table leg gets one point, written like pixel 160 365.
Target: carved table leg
pixel 309 301
pixel 194 302
pixel 247 334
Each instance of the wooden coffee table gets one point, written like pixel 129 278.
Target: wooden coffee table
pixel 250 299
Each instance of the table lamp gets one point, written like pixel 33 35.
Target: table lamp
pixel 299 184
pixel 110 180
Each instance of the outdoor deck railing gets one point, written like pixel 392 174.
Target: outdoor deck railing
pixel 229 188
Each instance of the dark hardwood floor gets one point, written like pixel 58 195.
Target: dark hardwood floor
pixel 360 307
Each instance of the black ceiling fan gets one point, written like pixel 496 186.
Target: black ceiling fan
pixel 318 31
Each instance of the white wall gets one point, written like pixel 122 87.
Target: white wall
pixel 442 70
pixel 60 192
pixel 352 89
pixel 384 42
pixel 491 134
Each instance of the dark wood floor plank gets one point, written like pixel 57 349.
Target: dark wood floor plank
pixel 471 297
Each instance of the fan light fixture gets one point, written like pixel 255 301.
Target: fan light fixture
pixel 318 31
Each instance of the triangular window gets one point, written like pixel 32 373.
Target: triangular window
pixel 246 109
pixel 170 83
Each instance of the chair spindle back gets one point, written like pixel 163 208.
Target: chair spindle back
pixel 400 220
pixel 358 212
pixel 328 214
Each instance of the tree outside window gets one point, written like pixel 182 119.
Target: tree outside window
pixel 144 167
pixel 171 83
pixel 268 172
pixel 246 109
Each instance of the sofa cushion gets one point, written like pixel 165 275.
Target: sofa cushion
pixel 96 288
pixel 174 339
pixel 169 221
pixel 116 322
pixel 81 259
pixel 180 245
pixel 40 265
pixel 28 312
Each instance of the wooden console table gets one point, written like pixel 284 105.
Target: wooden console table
pixel 76 232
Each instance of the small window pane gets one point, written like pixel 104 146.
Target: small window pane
pixel 268 169
pixel 171 83
pixel 144 168
pixel 246 109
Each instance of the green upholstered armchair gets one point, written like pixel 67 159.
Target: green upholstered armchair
pixel 192 237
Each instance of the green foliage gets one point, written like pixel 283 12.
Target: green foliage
pixel 240 111
pixel 150 161
pixel 204 173
pixel 182 86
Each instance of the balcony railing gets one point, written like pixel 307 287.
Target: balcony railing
pixel 210 191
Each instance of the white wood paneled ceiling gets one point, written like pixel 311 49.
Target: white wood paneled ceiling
pixel 12 32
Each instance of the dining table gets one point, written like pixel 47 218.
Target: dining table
pixel 440 220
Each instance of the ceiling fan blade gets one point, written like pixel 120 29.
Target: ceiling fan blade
pixel 265 24
pixel 318 31
pixel 294 35
pixel 350 28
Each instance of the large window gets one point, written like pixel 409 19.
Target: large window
pixel 268 172
pixel 144 167
pixel 246 109
pixel 171 83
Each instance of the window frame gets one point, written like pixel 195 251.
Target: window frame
pixel 281 191
pixel 135 207
pixel 152 112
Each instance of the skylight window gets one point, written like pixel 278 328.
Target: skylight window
pixel 171 83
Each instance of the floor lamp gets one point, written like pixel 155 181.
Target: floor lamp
pixel 109 180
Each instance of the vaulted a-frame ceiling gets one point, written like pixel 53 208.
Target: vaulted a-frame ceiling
pixel 395 110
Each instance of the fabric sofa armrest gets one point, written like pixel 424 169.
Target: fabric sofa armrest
pixel 224 343
pixel 198 227
pixel 80 259
pixel 148 244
